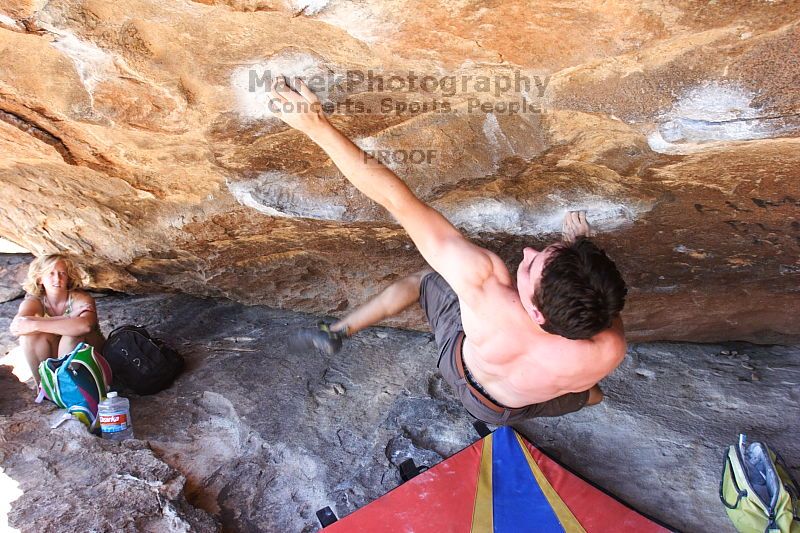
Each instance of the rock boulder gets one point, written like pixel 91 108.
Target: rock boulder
pixel 136 136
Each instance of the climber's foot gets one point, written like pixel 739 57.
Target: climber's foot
pixel 319 338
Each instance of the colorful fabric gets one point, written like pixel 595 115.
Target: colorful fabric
pixel 500 484
pixel 77 381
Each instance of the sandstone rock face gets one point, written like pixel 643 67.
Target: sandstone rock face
pixel 130 136
pixel 264 438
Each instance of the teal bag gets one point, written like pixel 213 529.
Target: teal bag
pixel 758 490
pixel 76 382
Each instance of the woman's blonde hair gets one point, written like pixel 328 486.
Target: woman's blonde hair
pixel 41 265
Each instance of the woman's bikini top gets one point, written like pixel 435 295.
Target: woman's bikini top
pixel 67 310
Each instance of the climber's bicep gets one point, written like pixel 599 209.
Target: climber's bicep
pixel 464 265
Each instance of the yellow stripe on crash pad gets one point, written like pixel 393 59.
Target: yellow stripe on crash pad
pixel 565 516
pixel 482 521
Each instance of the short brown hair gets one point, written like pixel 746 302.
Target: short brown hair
pixel 580 290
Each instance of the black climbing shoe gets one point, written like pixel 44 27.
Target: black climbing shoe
pixel 320 338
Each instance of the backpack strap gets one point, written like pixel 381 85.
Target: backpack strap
pixel 739 492
pixel 138 329
pixel 63 418
pixel 113 331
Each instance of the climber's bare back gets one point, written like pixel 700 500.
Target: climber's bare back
pixel 515 360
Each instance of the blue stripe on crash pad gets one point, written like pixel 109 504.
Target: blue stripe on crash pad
pixel 518 502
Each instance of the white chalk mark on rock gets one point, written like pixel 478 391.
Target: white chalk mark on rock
pixel 715 112
pixel 251 82
pixel 499 145
pixel 509 215
pixel 279 195
pixel 364 24
pixel 8 21
pixel 95 65
pixel 92 63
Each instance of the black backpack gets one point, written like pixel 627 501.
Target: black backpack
pixel 140 362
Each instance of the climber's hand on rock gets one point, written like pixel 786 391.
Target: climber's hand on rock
pixel 575 225
pixel 298 107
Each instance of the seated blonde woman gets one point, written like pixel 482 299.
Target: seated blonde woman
pixel 56 314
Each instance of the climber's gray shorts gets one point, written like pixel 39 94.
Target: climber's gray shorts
pixel 443 311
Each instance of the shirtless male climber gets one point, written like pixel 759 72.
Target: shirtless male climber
pixel 511 348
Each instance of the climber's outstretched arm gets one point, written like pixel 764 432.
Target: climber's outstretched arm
pixel 464 265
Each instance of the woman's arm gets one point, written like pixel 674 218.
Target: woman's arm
pixel 58 325
pixel 28 321
pixel 23 324
pixel 464 265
